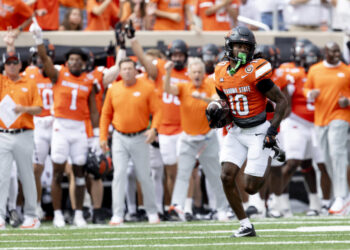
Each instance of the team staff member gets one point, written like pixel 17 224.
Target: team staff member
pixel 128 105
pixel 74 102
pixel 328 84
pixel 246 84
pixel 197 138
pixel 16 137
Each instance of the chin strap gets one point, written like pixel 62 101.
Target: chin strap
pixel 242 59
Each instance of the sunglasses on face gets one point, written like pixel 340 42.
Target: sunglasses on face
pixel 15 62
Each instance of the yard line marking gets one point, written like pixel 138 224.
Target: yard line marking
pixel 190 245
pixel 298 229
pixel 160 238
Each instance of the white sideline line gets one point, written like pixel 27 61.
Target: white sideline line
pixel 185 224
pixel 298 229
pixel 191 245
pixel 226 236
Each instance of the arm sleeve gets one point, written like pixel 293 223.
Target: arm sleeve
pixel 265 85
pixel 221 94
pixel 106 116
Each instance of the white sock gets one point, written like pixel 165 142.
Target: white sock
pixel 188 205
pixel 314 202
pixel 326 203
pixel 285 204
pixel 78 213
pixel 58 213
pixel 245 223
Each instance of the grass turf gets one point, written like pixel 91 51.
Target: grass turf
pixel 292 233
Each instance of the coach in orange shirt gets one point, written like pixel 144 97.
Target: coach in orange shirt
pixel 16 136
pixel 197 138
pixel 128 105
pixel 328 84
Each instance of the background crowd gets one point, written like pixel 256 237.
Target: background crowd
pixel 168 167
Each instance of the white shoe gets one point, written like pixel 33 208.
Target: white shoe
pixel 79 221
pixel 222 216
pixel 337 207
pixel 2 224
pixel 116 221
pixel 40 212
pixel 30 223
pixel 153 219
pixel 58 221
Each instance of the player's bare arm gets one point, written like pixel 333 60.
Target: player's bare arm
pixel 48 66
pixel 94 115
pixel 170 89
pixel 275 95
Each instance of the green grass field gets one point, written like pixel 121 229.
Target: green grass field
pixel 292 233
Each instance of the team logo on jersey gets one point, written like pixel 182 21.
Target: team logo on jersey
pixel 90 76
pixel 137 93
pixel 221 79
pixel 249 69
pixel 341 74
pixel 66 74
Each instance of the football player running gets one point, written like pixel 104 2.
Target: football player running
pixel 245 84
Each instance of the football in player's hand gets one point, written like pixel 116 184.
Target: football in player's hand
pixel 216 112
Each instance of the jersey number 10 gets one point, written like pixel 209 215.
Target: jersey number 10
pixel 239 104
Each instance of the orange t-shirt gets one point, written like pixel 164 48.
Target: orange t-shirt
pixel 71 95
pixel 13 13
pixel 246 101
pixel 49 21
pixel 171 120
pixel 73 3
pixel 219 20
pixel 44 86
pixel 105 21
pixel 192 110
pixel 173 6
pixel 332 83
pixel 23 92
pixel 128 108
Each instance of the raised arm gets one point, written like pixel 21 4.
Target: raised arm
pixel 150 68
pixel 168 88
pixel 48 66
pixel 99 9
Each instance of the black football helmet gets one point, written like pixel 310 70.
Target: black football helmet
pixel 181 47
pixel 297 51
pixel 98 165
pixel 209 54
pixel 240 35
pixel 312 55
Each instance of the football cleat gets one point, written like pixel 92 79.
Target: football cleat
pixel 340 206
pixel 153 219
pixel 79 221
pixel 244 231
pixel 15 220
pixel 116 221
pixel 30 223
pixel 176 214
pixel 58 221
pixel 312 212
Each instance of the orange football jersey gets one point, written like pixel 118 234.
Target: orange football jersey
pixel 171 121
pixel 71 95
pixel 44 86
pixel 247 103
